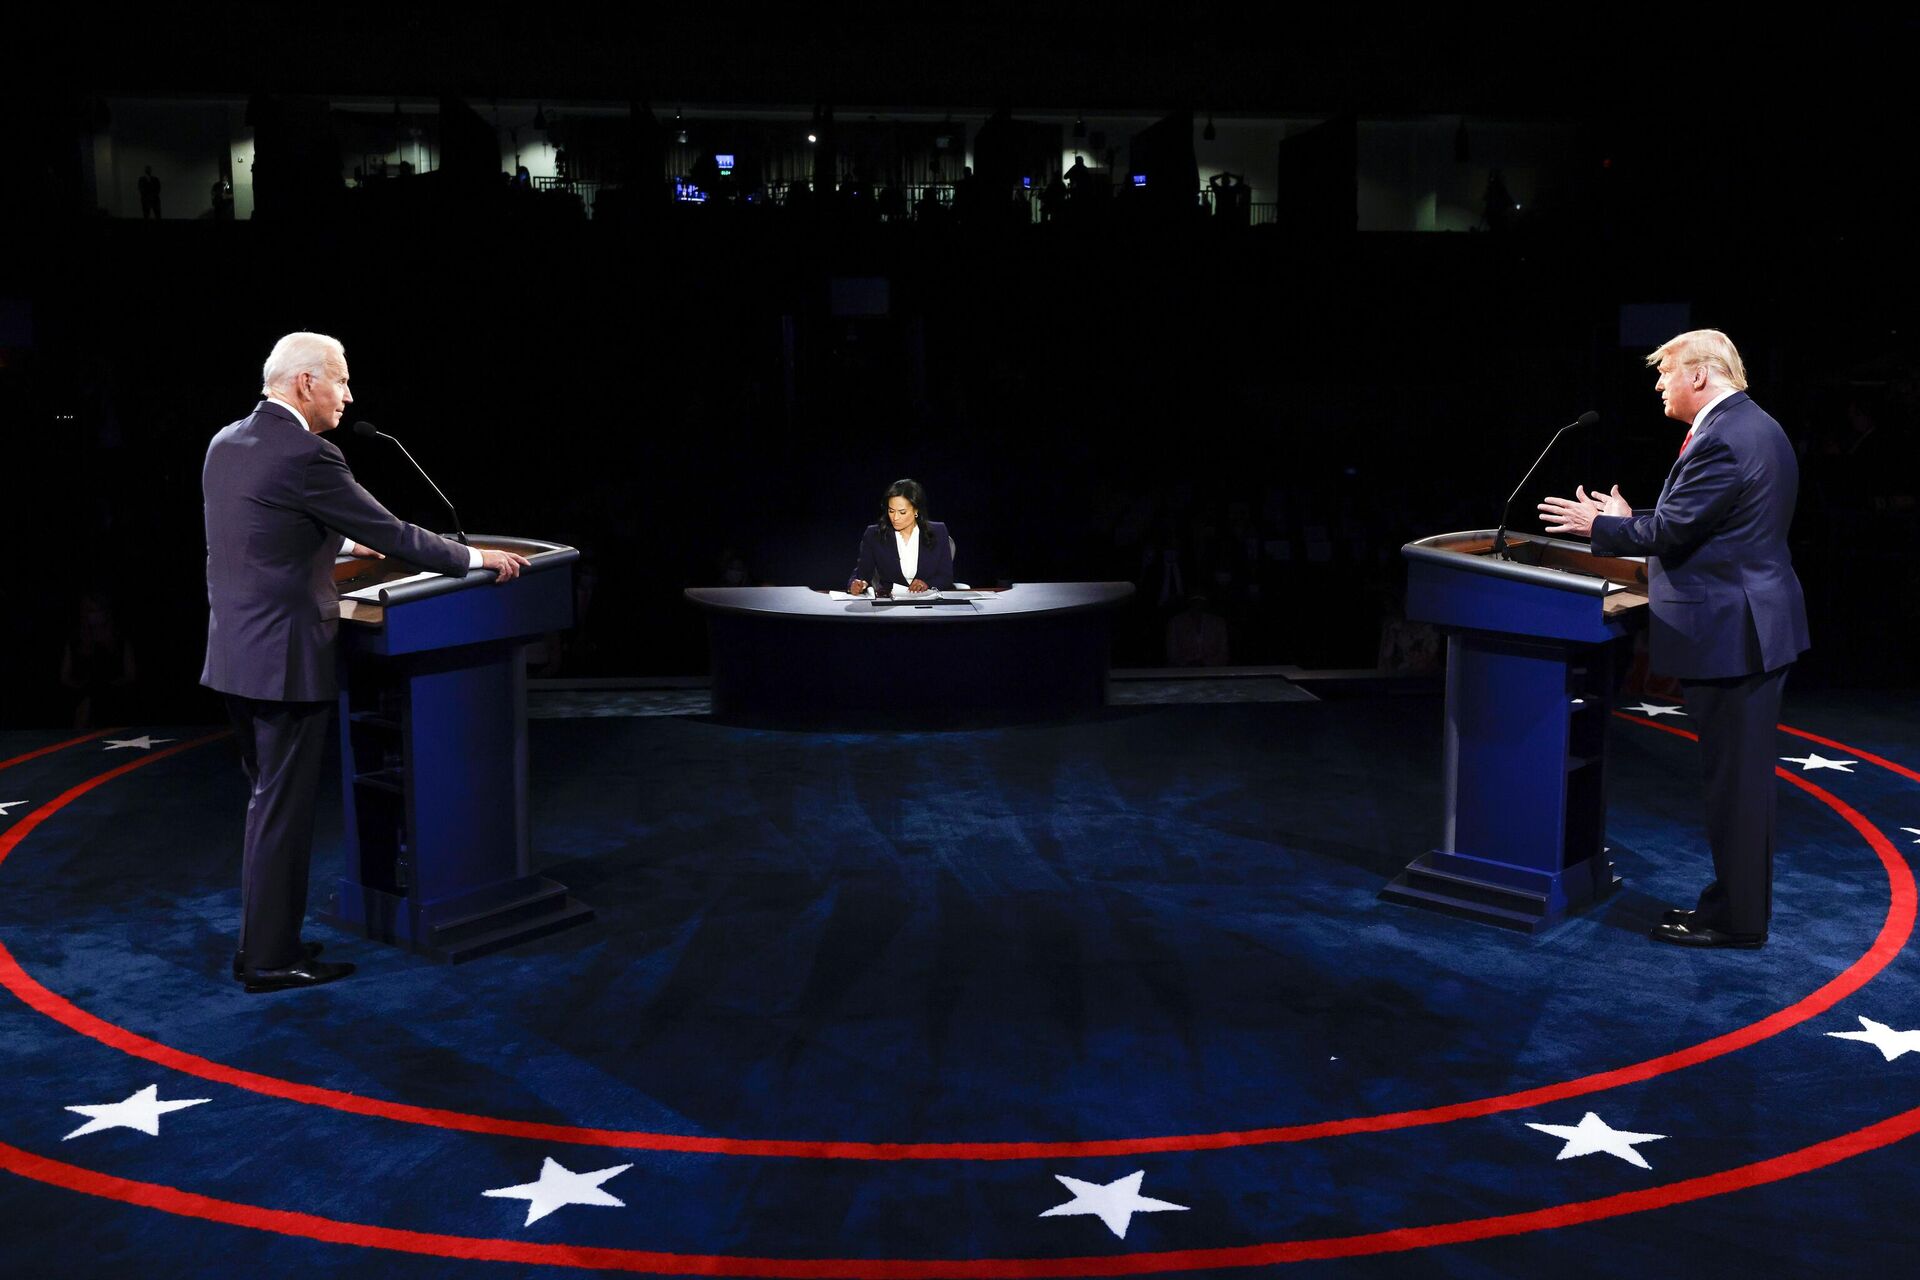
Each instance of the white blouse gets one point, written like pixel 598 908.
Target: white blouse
pixel 909 553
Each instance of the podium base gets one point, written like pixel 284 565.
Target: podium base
pixel 457 929
pixel 1499 894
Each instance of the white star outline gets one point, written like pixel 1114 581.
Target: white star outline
pixel 1814 760
pixel 144 742
pixel 141 1111
pixel 1655 711
pixel 9 804
pixel 1915 832
pixel 1889 1042
pixel 1593 1136
pixel 559 1186
pixel 1114 1203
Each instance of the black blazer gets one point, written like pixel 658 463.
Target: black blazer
pixel 880 556
pixel 278 498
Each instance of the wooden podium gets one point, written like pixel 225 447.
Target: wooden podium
pixel 1530 681
pixel 433 753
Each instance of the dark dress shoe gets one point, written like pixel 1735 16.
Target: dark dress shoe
pixel 307 973
pixel 311 949
pixel 1678 915
pixel 1685 935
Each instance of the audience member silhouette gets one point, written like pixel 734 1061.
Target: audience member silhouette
pixel 97 664
pixel 1197 636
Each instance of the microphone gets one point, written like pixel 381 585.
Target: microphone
pixel 368 431
pixel 1586 419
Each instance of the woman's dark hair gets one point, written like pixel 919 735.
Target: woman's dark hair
pixel 912 492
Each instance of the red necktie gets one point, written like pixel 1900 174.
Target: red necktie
pixel 1686 442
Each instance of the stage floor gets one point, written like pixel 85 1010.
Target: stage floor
pixel 877 1004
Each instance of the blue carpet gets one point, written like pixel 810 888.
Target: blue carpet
pixel 1126 931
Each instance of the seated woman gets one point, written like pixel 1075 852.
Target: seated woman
pixel 904 549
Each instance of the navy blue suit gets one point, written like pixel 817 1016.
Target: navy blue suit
pixel 278 498
pixel 879 560
pixel 1728 620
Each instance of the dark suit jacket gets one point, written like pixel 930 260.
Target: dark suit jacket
pixel 278 498
pixel 1720 581
pixel 880 556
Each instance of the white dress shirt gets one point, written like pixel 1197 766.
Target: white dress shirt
pixel 1708 408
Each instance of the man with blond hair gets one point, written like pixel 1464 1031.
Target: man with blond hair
pixel 1728 615
pixel 280 505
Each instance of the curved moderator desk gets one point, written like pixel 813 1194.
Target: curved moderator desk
pixel 796 656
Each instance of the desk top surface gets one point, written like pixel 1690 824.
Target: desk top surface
pixel 1024 599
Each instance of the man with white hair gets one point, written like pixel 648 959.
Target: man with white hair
pixel 1728 615
pixel 280 505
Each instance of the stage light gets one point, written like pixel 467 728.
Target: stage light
pixel 813 137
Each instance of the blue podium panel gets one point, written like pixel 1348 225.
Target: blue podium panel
pixel 434 755
pixel 1506 726
pixel 1530 675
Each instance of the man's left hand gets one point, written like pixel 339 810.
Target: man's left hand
pixel 365 553
pixel 1575 515
pixel 505 564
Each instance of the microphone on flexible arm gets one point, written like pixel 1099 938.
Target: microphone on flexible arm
pixel 369 431
pixel 1586 419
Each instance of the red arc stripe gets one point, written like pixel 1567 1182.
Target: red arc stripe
pixel 58 746
pixel 1398 1240
pixel 19 830
pixel 1893 935
pixel 1855 752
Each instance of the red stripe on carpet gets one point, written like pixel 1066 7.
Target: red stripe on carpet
pixel 58 746
pixel 1398 1240
pixel 1894 933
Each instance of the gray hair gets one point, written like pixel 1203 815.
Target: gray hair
pixel 299 353
pixel 1708 347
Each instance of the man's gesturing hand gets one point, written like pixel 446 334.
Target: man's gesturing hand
pixel 1575 514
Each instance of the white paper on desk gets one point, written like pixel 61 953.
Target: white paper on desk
pixel 842 595
pixel 372 594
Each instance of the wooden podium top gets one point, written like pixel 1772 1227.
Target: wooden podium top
pixel 1544 586
pixel 1558 563
pixel 368 588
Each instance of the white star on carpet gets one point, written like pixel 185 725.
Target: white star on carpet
pixel 1915 831
pixel 1889 1042
pixel 15 804
pixel 142 1111
pixel 1814 760
pixel 559 1187
pixel 1593 1135
pixel 1650 709
pixel 143 742
pixel 1114 1204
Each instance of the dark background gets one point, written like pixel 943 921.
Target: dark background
pixel 671 388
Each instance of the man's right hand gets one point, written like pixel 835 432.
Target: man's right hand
pixel 507 564
pixel 856 588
